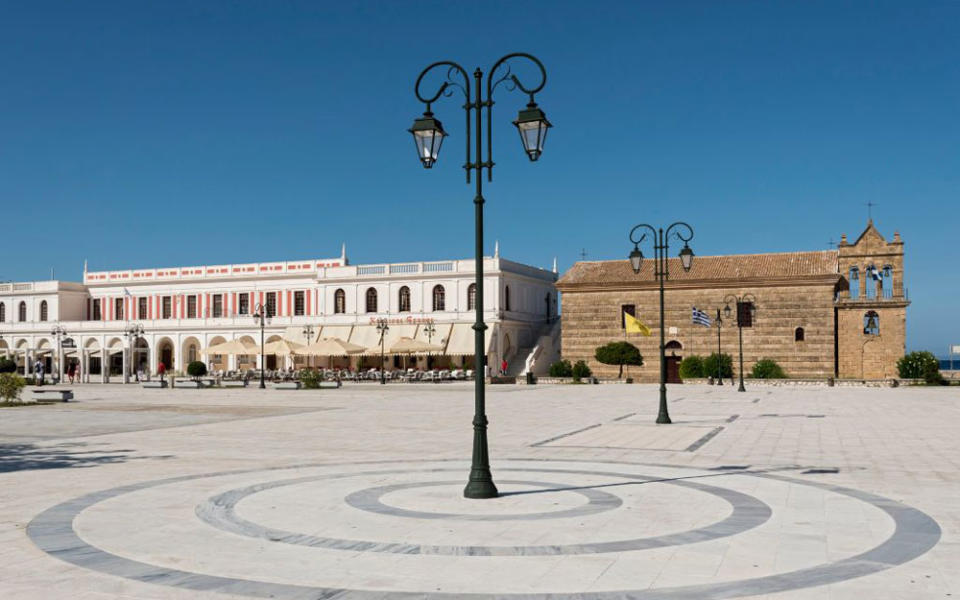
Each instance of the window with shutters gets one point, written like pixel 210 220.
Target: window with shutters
pixel 404 298
pixel 299 304
pixel 217 306
pixel 472 297
pixel 43 310
pixel 243 304
pixel 96 312
pixel 339 302
pixel 271 304
pixel 142 308
pixel 166 305
pixel 118 308
pixel 439 298
pixel 371 300
pixel 191 307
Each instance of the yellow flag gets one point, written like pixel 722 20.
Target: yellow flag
pixel 633 325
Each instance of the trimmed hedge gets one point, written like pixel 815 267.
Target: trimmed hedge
pixel 619 353
pixel 691 367
pixel 710 365
pixel 581 370
pixel 561 368
pixel 766 368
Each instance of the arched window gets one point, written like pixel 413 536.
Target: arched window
pixel 871 323
pixel 43 310
pixel 3 312
pixel 439 298
pixel 472 296
pixel 404 299
pixel 798 334
pixel 872 281
pixel 339 302
pixel 22 316
pixel 371 300
pixel 854 283
pixel 887 281
pixel 506 297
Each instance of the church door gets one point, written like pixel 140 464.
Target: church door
pixel 673 369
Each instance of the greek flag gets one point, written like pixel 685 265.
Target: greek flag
pixel 700 318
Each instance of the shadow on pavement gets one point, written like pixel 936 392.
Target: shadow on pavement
pixel 30 457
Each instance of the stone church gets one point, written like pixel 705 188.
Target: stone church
pixel 826 313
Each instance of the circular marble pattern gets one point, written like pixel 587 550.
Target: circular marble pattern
pixel 913 535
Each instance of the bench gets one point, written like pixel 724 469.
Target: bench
pixel 287 385
pixel 61 395
pixel 154 384
pixel 329 385
pixel 233 383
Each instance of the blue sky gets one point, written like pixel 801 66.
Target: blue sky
pixel 138 134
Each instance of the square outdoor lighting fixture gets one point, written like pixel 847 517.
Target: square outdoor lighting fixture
pixel 686 257
pixel 532 124
pixel 428 136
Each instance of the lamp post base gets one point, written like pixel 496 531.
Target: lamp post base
pixel 741 388
pixel 663 419
pixel 480 485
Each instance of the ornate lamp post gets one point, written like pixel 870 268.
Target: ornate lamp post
pixel 428 134
pixel 661 273
pixel 382 329
pixel 430 330
pixel 308 335
pixel 719 365
pixel 58 332
pixel 133 335
pixel 261 316
pixel 746 309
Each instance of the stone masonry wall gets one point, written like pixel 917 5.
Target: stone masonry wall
pixel 592 318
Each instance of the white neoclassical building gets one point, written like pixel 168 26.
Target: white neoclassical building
pixel 185 309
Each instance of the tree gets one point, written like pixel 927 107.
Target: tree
pixel 917 365
pixel 11 385
pixel 691 367
pixel 311 378
pixel 197 369
pixel 619 353
pixel 766 368
pixel 581 370
pixel 561 368
pixel 7 366
pixel 710 365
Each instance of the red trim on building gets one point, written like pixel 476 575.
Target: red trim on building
pixel 308 307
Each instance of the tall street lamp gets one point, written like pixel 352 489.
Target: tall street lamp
pixel 133 335
pixel 308 335
pixel 261 316
pixel 428 134
pixel 58 332
pixel 746 309
pixel 719 362
pixel 661 271
pixel 382 329
pixel 430 330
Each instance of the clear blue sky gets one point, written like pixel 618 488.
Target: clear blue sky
pixel 136 134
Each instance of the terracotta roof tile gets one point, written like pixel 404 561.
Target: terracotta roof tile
pixel 783 265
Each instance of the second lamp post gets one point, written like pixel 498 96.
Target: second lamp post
pixel 428 136
pixel 661 272
pixel 261 315
pixel 746 309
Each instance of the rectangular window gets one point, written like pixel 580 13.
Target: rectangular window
pixel 244 302
pixel 745 314
pixel 167 307
pixel 217 306
pixel 271 304
pixel 118 308
pixel 299 304
pixel 630 309
pixel 97 314
pixel 141 308
pixel 191 307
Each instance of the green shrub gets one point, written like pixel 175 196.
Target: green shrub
pixel 768 369
pixel 917 365
pixel 7 366
pixel 561 368
pixel 581 370
pixel 935 378
pixel 710 365
pixel 691 367
pixel 197 369
pixel 11 385
pixel 311 378
pixel 619 353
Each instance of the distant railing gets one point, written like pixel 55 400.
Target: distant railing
pixel 405 268
pixel 437 267
pixel 371 270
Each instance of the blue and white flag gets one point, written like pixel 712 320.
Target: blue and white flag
pixel 700 318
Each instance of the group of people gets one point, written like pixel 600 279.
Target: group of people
pixel 72 372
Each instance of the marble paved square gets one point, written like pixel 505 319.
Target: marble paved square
pixel 357 493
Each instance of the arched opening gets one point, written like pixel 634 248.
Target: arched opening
pixel 672 360
pixel 191 351
pixel 217 362
pixel 94 357
pixel 3 312
pixel 371 300
pixel 140 359
pixel 404 298
pixel 115 352
pixel 871 323
pixel 872 281
pixel 271 359
pixel 854 283
pixel 439 298
pixel 247 361
pixel 472 296
pixel 799 334
pixel 43 310
pixel 22 312
pixel 165 354
pixel 339 302
pixel 506 297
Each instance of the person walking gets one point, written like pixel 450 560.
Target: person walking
pixel 161 370
pixel 70 369
pixel 38 368
pixel 503 367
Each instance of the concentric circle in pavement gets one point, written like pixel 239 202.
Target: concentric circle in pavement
pixel 402 529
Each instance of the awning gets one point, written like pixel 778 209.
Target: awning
pixel 461 341
pixel 407 345
pixel 440 335
pixel 231 347
pixel 331 347
pixel 368 336
pixel 341 332
pixel 295 334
